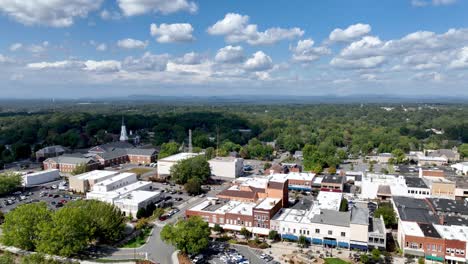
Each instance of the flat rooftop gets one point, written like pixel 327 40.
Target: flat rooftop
pixel 37 173
pixel 180 156
pixel 137 197
pixel 449 206
pixel 298 176
pixel 243 208
pixel 329 200
pixel 412 209
pixel 415 182
pixel 452 232
pixel 95 174
pixel 267 203
pixel 224 159
pixel 116 178
pixel 429 230
pixel 411 229
pixel 332 179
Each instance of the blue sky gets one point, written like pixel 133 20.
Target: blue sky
pixel 97 48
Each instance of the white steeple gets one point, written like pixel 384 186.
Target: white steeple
pixel 123 132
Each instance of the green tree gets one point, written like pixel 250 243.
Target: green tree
pixel 38 259
pixel 217 228
pixel 344 205
pixel 7 258
pixel 364 258
pixel 210 153
pixel 273 235
pixel 376 254
pixel 302 241
pixel 109 224
pixel 68 232
pixel 246 233
pixel 196 167
pixel 141 213
pixel 463 149
pixel 9 181
pixel 80 169
pixel 158 212
pixel 21 225
pixel 189 236
pixel 398 156
pixel 168 149
pixel 388 214
pixel 421 260
pixel 193 186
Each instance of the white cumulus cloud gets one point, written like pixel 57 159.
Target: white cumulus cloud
pixel 236 29
pixel 167 33
pixel 350 33
pixel 130 43
pixel 259 62
pixel 305 51
pixel 56 13
pixel 15 46
pixel 139 7
pixel 230 54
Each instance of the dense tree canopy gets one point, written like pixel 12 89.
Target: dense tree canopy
pixel 194 168
pixel 66 231
pixel 9 181
pixel 189 236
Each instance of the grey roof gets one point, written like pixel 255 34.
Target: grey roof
pixel 332 179
pixel 455 220
pixel 444 152
pixel 139 151
pixel 111 146
pixel 415 182
pixel 449 206
pixel 359 215
pixel 429 230
pixel 332 217
pixel 416 210
pixel 116 153
pixel 303 204
pixel 69 159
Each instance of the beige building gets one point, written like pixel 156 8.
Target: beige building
pixel 165 164
pixel 227 167
pixel 442 188
pixel 84 182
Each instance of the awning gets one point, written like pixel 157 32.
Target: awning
pixel 356 246
pixel 456 258
pixel 435 258
pixel 299 188
pixel 343 244
pixel 330 242
pixel 289 236
pixel 233 227
pixel 317 241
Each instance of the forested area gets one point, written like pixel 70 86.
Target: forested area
pixel 327 133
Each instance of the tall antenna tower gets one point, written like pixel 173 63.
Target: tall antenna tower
pixel 190 147
pixel 217 140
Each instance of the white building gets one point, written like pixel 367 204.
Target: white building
pixel 115 182
pixel 165 164
pixel 131 202
pixel 40 177
pixel 111 196
pixel 460 168
pixel 227 167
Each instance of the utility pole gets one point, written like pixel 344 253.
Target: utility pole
pixel 217 140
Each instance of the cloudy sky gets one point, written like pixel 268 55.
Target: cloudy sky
pixel 97 48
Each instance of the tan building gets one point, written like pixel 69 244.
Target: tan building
pixel 66 164
pixel 333 183
pixel 82 183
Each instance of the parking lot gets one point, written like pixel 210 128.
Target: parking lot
pixel 48 193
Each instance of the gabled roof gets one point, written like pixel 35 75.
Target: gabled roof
pixel 141 152
pixel 72 160
pixel 110 147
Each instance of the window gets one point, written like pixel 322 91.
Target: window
pixel 294 230
pixel 343 234
pixel 370 240
pixel 440 248
pixel 317 231
pixel 307 232
pixel 462 252
pixel 452 250
pixel 457 251
pixel 448 250
pixel 330 232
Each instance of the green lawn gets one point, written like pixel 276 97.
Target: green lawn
pixel 139 240
pixel 335 261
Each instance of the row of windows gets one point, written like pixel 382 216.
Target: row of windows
pixel 376 240
pixel 456 251
pixel 418 192
pixel 429 247
pixel 306 232
pixel 432 247
pixel 261 217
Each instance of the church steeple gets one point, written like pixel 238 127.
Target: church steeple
pixel 123 132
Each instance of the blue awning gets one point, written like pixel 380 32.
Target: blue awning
pixel 299 188
pixel 289 236
pixel 343 244
pixel 329 242
pixel 356 246
pixel 317 241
